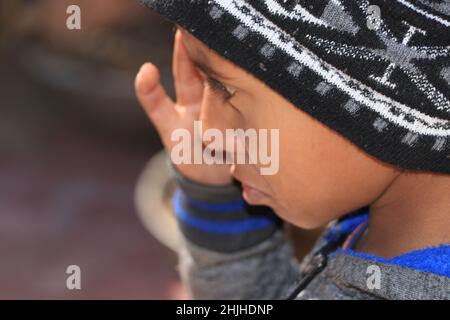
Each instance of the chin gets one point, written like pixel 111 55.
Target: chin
pixel 303 220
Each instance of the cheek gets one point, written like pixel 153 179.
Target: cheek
pixel 322 176
pixel 250 110
pixel 298 203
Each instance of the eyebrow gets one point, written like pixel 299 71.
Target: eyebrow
pixel 208 70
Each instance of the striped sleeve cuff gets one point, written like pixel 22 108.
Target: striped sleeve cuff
pixel 218 219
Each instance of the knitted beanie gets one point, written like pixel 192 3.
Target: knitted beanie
pixel 377 72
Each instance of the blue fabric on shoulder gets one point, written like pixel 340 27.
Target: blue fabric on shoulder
pixel 434 260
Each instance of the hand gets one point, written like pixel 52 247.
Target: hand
pixel 168 115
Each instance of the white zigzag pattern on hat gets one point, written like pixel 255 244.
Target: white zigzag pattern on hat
pixel 421 124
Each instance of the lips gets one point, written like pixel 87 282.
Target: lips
pixel 252 195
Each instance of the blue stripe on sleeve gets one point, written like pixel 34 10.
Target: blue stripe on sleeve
pixel 222 207
pixel 222 227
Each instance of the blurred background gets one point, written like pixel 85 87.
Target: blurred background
pixel 82 177
pixel 73 146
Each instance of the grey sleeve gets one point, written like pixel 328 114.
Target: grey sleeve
pixel 231 250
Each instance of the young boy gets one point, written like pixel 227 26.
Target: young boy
pixel 360 96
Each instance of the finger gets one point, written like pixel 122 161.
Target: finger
pixel 157 104
pixel 188 83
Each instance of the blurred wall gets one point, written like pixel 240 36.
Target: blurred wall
pixel 73 142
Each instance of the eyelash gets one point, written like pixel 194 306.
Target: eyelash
pixel 220 88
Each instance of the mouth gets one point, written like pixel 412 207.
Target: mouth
pixel 253 196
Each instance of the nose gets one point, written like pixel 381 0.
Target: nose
pixel 219 116
pixel 215 114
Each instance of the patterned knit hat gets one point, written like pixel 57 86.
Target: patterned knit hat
pixel 377 72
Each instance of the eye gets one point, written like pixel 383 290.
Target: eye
pixel 220 88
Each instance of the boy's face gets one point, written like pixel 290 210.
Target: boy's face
pixel 321 175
